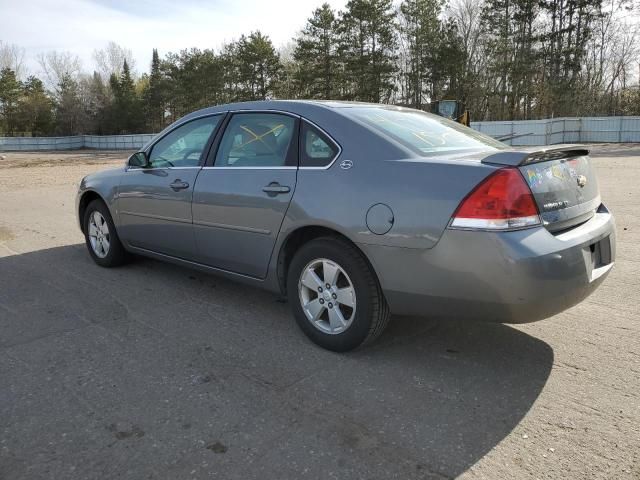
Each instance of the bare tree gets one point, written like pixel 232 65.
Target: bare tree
pixel 611 62
pixel 109 60
pixel 12 56
pixel 58 66
pixel 467 15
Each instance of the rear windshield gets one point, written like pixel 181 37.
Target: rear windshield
pixel 425 133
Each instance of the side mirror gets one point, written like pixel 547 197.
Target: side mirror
pixel 138 160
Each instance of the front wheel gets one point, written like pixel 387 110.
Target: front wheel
pixel 101 237
pixel 335 296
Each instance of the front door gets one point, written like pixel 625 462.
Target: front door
pixel 154 203
pixel 239 203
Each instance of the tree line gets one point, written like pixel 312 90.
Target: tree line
pixel 505 59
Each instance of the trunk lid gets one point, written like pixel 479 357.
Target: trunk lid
pixel 562 181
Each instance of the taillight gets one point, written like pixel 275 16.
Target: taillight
pixel 501 201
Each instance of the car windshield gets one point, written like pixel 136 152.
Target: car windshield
pixel 424 133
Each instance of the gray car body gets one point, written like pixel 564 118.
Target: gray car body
pixel 424 267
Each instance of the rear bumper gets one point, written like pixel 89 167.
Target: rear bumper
pixel 510 277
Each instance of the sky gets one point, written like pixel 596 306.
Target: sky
pixel 81 26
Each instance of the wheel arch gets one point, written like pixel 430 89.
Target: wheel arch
pixel 87 197
pixel 299 237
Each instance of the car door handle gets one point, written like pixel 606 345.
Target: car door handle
pixel 276 188
pixel 178 185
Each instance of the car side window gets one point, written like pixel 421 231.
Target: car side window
pixel 257 140
pixel 317 150
pixel 183 146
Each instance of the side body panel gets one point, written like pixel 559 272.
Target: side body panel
pixel 155 216
pixel 236 223
pixel 105 184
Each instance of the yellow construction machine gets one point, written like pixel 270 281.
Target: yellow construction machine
pixel 452 109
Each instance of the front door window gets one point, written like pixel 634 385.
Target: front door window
pixel 184 146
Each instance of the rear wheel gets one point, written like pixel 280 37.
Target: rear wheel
pixel 335 297
pixel 101 237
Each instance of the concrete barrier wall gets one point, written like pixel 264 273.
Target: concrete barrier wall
pixel 564 130
pixel 98 142
pixel 522 132
pixel 117 142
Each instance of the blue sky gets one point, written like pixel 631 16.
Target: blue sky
pixel 80 26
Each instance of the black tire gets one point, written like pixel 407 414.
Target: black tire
pixel 371 313
pixel 116 254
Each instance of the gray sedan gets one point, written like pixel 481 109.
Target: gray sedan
pixel 356 211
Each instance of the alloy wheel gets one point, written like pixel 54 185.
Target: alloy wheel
pixel 327 296
pixel 99 236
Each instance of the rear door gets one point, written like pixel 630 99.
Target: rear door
pixel 242 195
pixel 154 203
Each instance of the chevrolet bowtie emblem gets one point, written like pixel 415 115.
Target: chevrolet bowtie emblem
pixel 582 180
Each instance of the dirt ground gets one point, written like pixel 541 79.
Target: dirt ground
pixel 155 371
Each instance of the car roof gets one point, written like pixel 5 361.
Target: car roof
pixel 299 107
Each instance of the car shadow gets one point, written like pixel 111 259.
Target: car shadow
pixel 168 348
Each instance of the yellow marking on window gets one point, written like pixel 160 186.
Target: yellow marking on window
pixel 259 138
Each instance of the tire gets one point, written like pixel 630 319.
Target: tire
pixel 369 314
pixel 115 255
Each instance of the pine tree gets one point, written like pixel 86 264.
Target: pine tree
pixel 10 96
pixel 318 73
pixel 70 116
pixel 509 26
pixel 154 95
pixel 420 31
pixel 259 65
pixel 126 106
pixel 36 115
pixel 367 43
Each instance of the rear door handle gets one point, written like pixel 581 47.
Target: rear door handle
pixel 178 185
pixel 276 188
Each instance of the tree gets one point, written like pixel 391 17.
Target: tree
pixel 509 24
pixel 59 67
pixel 10 96
pixel 155 95
pixel 467 16
pixel 420 31
pixel 70 117
pixel 111 59
pixel 367 43
pixel 98 104
pixel 36 108
pixel 12 57
pixel 258 66
pixel 287 85
pixel 564 49
pixel 318 69
pixel 126 105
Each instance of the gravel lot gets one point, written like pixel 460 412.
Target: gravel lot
pixel 155 371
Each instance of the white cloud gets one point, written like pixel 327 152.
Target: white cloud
pixel 80 26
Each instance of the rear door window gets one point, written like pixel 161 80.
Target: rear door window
pixel 258 140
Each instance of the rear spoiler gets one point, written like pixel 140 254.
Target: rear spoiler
pixel 515 158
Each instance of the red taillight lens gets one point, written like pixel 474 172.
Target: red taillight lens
pixel 503 200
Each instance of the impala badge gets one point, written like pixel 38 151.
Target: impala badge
pixel 346 164
pixel 582 180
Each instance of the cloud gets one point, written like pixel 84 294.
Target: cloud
pixel 81 26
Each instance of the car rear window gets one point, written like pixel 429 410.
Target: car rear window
pixel 425 133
